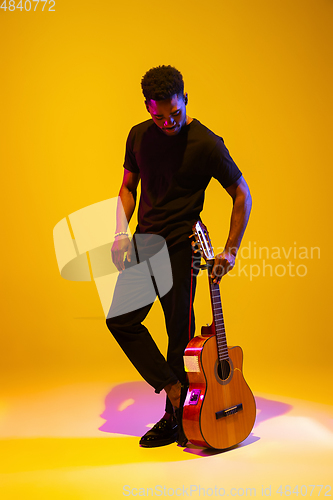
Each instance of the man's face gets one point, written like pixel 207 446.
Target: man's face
pixel 169 114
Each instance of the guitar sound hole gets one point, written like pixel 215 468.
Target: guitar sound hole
pixel 223 369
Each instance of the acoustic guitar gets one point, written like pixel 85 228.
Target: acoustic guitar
pixel 219 409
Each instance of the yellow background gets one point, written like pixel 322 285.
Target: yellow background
pixel 257 73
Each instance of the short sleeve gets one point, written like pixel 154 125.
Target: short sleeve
pixel 130 162
pixel 222 166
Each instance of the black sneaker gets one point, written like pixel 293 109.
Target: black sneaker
pixel 164 432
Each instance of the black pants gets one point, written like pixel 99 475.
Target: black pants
pixel 136 341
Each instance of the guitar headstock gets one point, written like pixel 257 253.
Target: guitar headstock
pixel 202 239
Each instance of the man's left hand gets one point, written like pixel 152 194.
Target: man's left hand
pixel 223 263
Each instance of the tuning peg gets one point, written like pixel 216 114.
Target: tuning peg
pixel 194 245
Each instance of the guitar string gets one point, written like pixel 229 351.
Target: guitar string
pixel 219 329
pixel 221 342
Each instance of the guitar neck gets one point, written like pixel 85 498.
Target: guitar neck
pixel 218 320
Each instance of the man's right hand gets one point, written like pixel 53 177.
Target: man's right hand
pixel 121 245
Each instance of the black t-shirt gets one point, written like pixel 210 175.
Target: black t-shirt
pixel 175 171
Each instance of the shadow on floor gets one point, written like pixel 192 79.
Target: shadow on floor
pixel 132 408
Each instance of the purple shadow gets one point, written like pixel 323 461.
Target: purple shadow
pixel 133 420
pixel 147 408
pixel 270 409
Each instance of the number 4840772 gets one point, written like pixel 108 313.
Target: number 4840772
pixel 304 490
pixel 28 5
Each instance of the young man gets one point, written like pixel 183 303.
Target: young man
pixel 175 157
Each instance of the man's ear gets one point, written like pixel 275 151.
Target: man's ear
pixel 147 106
pixel 186 98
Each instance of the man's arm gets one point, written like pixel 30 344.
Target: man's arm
pixel 242 203
pixel 125 209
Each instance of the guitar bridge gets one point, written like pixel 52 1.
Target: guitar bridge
pixel 228 411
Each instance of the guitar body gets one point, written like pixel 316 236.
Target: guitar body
pixel 219 410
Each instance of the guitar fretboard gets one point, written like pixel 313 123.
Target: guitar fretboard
pixel 221 339
pixel 202 237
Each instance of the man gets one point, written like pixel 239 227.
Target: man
pixel 175 157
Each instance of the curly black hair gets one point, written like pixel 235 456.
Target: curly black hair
pixel 161 83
